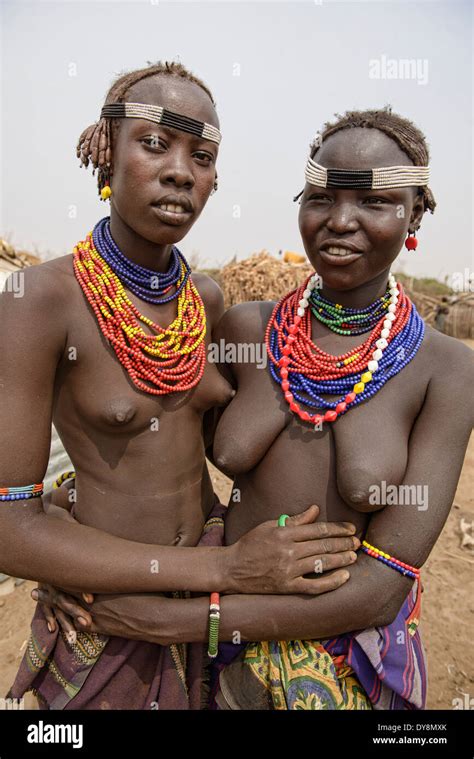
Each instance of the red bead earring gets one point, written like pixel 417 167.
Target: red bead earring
pixel 411 243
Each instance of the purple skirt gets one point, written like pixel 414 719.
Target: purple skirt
pixel 100 672
pixel 388 664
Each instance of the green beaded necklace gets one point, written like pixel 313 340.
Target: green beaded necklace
pixel 347 321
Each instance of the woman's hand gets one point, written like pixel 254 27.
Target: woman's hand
pixel 64 609
pixel 269 559
pixel 136 617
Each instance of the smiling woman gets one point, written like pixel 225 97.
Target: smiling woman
pixel 357 387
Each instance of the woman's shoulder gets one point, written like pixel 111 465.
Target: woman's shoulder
pixel 37 301
pixel 446 348
pixel 208 288
pixel 452 360
pixel 211 295
pixel 51 275
pixel 247 320
pixel 44 284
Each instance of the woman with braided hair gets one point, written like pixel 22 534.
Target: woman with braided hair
pixel 110 344
pixel 360 407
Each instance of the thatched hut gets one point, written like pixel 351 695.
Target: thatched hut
pixel 456 316
pixel 260 277
pixel 12 259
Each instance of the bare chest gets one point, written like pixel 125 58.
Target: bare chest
pixel 338 464
pixel 95 386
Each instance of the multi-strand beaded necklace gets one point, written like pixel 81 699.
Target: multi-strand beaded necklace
pixel 306 373
pixel 170 359
pixel 347 321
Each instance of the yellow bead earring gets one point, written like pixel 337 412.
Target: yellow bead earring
pixel 106 191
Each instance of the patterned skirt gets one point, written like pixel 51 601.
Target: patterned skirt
pixel 377 668
pixel 100 672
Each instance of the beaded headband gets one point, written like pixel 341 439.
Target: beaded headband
pixel 160 115
pixel 371 179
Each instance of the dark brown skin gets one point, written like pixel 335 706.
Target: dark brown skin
pixel 141 493
pixel 415 430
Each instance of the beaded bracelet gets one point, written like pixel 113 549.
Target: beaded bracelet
pixel 214 619
pixel 399 566
pixel 22 492
pixel 404 569
pixel 63 477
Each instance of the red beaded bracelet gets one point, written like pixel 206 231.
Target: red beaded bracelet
pixel 404 569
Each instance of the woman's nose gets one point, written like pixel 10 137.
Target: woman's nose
pixel 176 172
pixel 342 218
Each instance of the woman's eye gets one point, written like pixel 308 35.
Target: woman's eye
pixel 319 198
pixel 375 201
pixel 153 142
pixel 206 157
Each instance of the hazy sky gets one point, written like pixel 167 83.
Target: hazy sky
pixel 277 70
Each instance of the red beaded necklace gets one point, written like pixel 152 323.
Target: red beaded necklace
pixel 294 355
pixel 170 360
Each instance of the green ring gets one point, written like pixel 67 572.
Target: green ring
pixel 282 520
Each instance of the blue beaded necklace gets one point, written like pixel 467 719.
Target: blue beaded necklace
pixel 306 373
pixel 146 284
pixel 396 356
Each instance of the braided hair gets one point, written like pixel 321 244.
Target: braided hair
pixel 407 136
pixel 96 141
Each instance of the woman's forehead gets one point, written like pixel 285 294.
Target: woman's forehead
pixel 360 148
pixel 177 95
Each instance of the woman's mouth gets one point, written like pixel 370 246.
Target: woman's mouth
pixel 172 213
pixel 339 256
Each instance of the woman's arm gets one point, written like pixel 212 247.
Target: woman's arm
pixel 375 593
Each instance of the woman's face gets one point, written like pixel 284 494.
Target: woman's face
pixel 153 164
pixel 373 224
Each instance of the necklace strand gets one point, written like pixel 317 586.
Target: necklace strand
pixel 146 284
pixel 348 321
pixel 170 359
pixel 306 373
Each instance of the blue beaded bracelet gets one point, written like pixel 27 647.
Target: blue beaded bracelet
pixel 21 492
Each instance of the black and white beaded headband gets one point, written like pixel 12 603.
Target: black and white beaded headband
pixel 160 115
pixel 384 178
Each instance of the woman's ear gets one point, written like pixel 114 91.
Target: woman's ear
pixel 417 213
